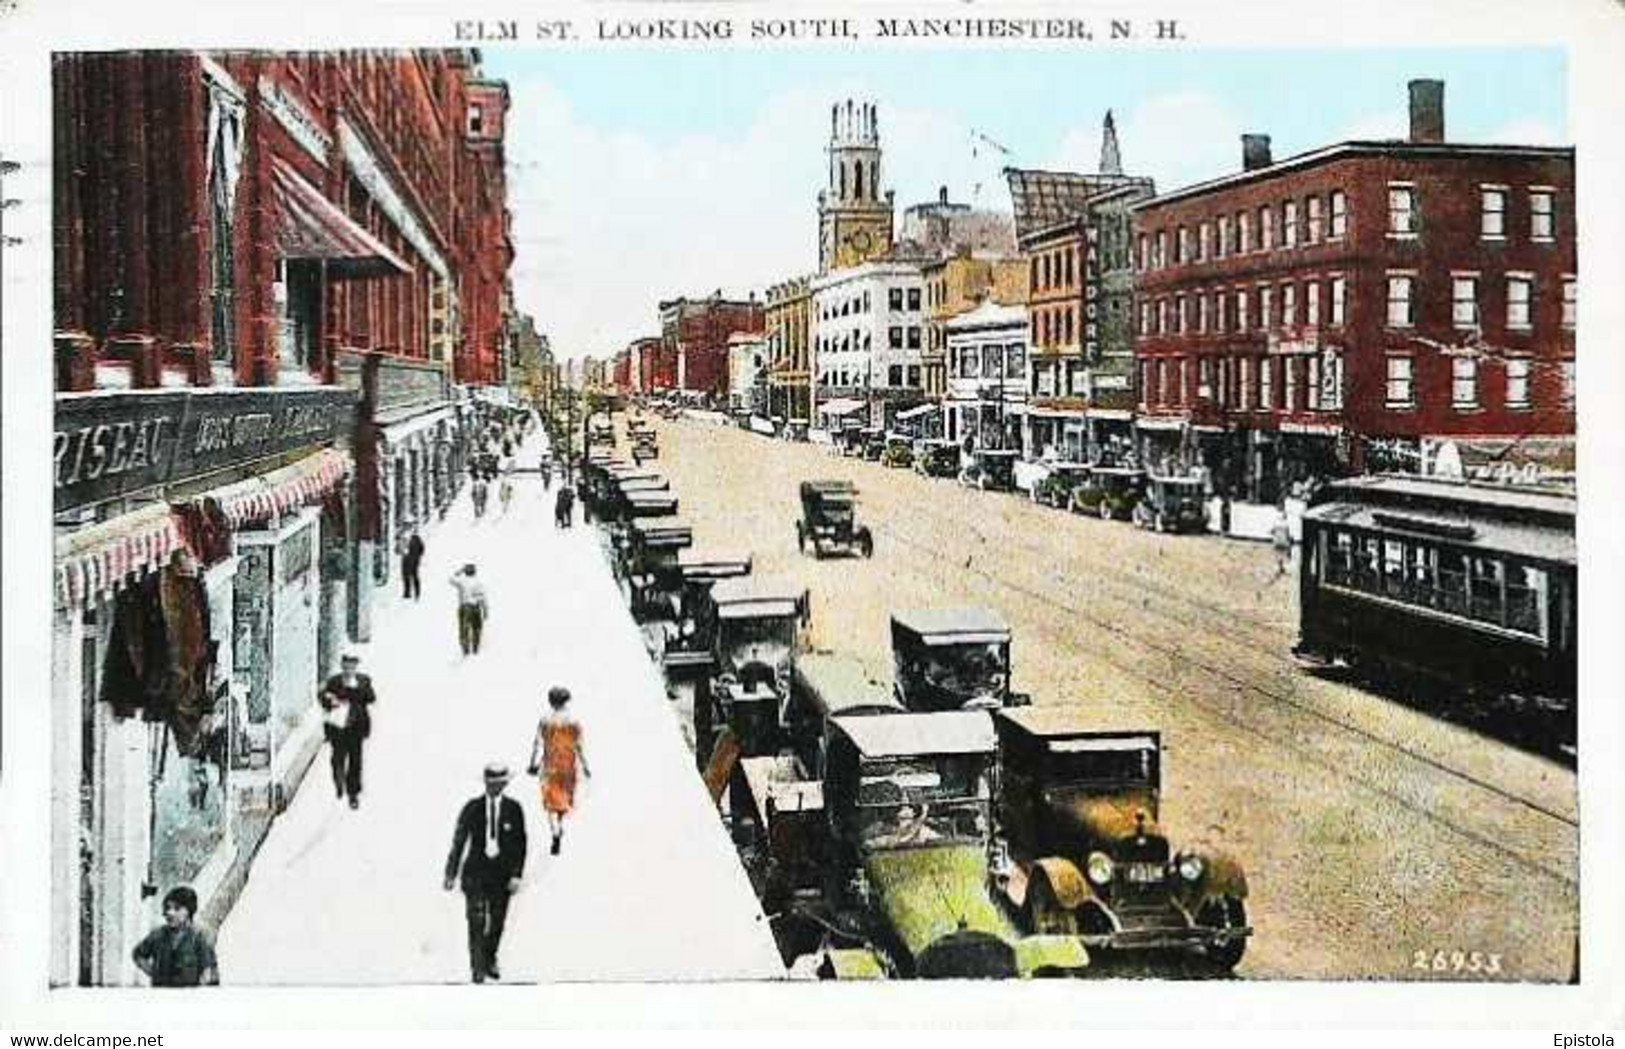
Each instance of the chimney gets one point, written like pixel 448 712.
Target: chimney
pixel 942 195
pixel 1255 152
pixel 1427 110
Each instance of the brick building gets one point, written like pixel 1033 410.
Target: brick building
pixel 957 283
pixel 266 267
pixel 788 318
pixel 696 332
pixel 652 364
pixel 1366 305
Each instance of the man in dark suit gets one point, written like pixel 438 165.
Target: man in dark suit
pixel 347 722
pixel 491 831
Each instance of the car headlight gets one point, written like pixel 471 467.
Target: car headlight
pixel 1099 868
pixel 1191 867
pixel 688 628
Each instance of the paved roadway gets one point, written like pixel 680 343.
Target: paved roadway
pixel 648 886
pixel 1370 832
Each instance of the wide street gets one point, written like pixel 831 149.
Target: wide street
pixel 1373 835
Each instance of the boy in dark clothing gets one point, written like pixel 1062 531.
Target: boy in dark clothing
pixel 178 953
pixel 411 560
pixel 347 723
pixel 563 507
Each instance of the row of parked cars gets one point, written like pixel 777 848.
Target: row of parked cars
pixel 933 824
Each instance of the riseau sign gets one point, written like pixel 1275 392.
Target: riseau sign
pixel 112 445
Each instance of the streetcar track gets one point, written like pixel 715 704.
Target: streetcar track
pixel 1280 699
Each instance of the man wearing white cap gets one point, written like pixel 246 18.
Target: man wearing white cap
pixel 489 848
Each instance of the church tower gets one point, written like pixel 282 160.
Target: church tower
pixel 854 216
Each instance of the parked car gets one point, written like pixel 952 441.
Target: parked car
pixel 952 659
pixel 1080 823
pixel 688 644
pixel 850 441
pixel 1055 489
pixel 1173 504
pixel 991 470
pixel 755 640
pixel 1111 492
pixel 874 443
pixel 829 520
pixel 936 457
pixel 899 451
pixel 650 569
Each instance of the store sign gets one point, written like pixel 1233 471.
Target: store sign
pixel 110 445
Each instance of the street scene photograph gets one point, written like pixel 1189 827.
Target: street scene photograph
pixel 533 515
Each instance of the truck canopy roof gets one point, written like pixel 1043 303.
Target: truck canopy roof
pixel 1073 729
pixel 951 626
pixel 904 735
pixel 747 596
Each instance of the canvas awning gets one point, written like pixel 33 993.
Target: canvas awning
pixel 916 412
pixel 278 492
pixel 841 406
pixel 95 559
pixel 314 228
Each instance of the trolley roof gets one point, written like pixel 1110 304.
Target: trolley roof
pixel 1464 496
pixel 1519 538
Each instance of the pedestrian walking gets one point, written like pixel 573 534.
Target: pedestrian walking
pixel 347 722
pixel 472 609
pixel 505 494
pixel 563 507
pixel 479 493
pixel 411 560
pixel 1281 542
pixel 546 469
pixel 488 860
pixel 555 755
pixel 178 953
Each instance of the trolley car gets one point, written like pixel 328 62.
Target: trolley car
pixel 1467 587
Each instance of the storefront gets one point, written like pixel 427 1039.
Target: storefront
pixel 161 747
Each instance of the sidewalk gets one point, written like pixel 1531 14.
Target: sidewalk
pixel 648 886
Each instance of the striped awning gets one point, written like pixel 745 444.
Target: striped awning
pixel 313 227
pixel 282 491
pixel 94 560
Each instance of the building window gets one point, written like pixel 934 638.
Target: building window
pixel 914 299
pixel 1204 233
pixel 1401 210
pixel 1266 384
pixel 1401 306
pixel 1033 279
pixel 1311 206
pixel 1463 383
pixel 1568 384
pixel 1339 300
pixel 914 376
pixel 1182 246
pixel 1542 215
pixel 1144 259
pixel 1266 228
pixel 1244 233
pixel 1162 316
pixel 1181 319
pixel 1400 387
pixel 1289 224
pixel 1520 292
pixel 1570 302
pixel 1145 318
pixel 894 299
pixel 1464 300
pixel 970 362
pixel 894 375
pixel 1160 259
pixel 1266 307
pixel 896 338
pixel 1241 309
pixel 1311 303
pixel 1218 312
pixel 1066 259
pixel 1493 213
pixel 914 337
pixel 1201 313
pixel 1340 214
pixel 1204 379
pixel 1223 243
pixel 1066 318
pixel 1015 359
pixel 476 120
pixel 1244 395
pixel 1331 380
pixel 1517 383
pixel 1289 305
pixel 1290 377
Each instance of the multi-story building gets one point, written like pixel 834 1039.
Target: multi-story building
pixel 697 330
pixel 1360 306
pixel 987 401
pixel 868 336
pixel 789 326
pixel 1075 236
pixel 747 371
pixel 957 283
pixel 654 365
pixel 854 216
pixel 260 263
pixel 944 227
pixel 485 243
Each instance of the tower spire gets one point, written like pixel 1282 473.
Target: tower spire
pixel 1111 161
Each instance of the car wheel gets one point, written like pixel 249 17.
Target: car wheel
pixel 1044 914
pixel 801 538
pixel 1227 913
pixel 1105 510
pixel 1160 522
pixel 866 544
pixel 1032 493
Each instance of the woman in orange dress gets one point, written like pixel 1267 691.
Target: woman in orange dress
pixel 555 754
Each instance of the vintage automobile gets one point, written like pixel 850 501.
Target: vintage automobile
pixel 1055 488
pixel 1111 492
pixel 936 457
pixel 645 446
pixel 755 638
pixel 824 685
pixel 899 451
pixel 829 520
pixel 952 659
pixel 653 578
pixel 1086 854
pixel 688 644
pixel 601 432
pixel 1173 504
pixel 850 441
pixel 990 469
pixel 874 443
pixel 885 857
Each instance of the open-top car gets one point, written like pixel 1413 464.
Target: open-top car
pixel 952 659
pixel 645 446
pixel 1111 492
pixel 1087 853
pixel 1173 504
pixel 906 801
pixel 1056 486
pixel 990 469
pixel 899 451
pixel 755 638
pixel 829 520
pixel 936 457
pixel 653 578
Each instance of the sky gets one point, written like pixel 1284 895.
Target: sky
pixel 644 174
